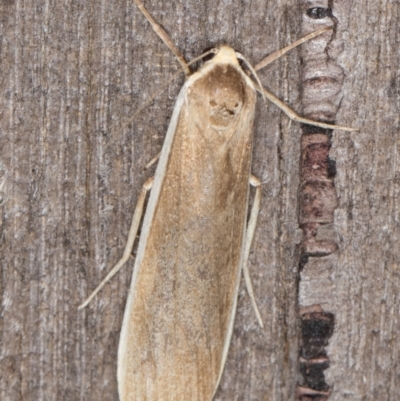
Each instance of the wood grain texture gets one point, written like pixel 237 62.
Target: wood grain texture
pixel 73 73
pixel 358 285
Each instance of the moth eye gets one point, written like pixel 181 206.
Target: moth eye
pixel 236 105
pixel 211 53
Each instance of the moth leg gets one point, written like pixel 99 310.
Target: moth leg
pixel 251 227
pixel 137 215
pixel 295 117
pixel 152 161
pixel 164 37
pixel 279 53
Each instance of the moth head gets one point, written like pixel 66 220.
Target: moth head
pixel 220 93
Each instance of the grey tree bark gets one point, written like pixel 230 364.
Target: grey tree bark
pixel 73 74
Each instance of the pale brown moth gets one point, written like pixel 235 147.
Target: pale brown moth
pixel 195 239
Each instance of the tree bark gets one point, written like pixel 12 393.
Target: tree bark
pixel 72 157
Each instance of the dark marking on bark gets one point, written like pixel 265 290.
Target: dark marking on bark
pixel 316 328
pixel 321 96
pixel 319 12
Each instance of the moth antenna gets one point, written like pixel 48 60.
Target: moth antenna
pixel 163 35
pixel 279 53
pixel 253 71
pixel 211 51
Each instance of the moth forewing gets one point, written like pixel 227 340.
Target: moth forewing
pixel 179 316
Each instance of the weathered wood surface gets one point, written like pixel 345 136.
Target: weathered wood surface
pixel 73 74
pixel 360 284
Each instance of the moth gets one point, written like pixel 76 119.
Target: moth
pixel 195 238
